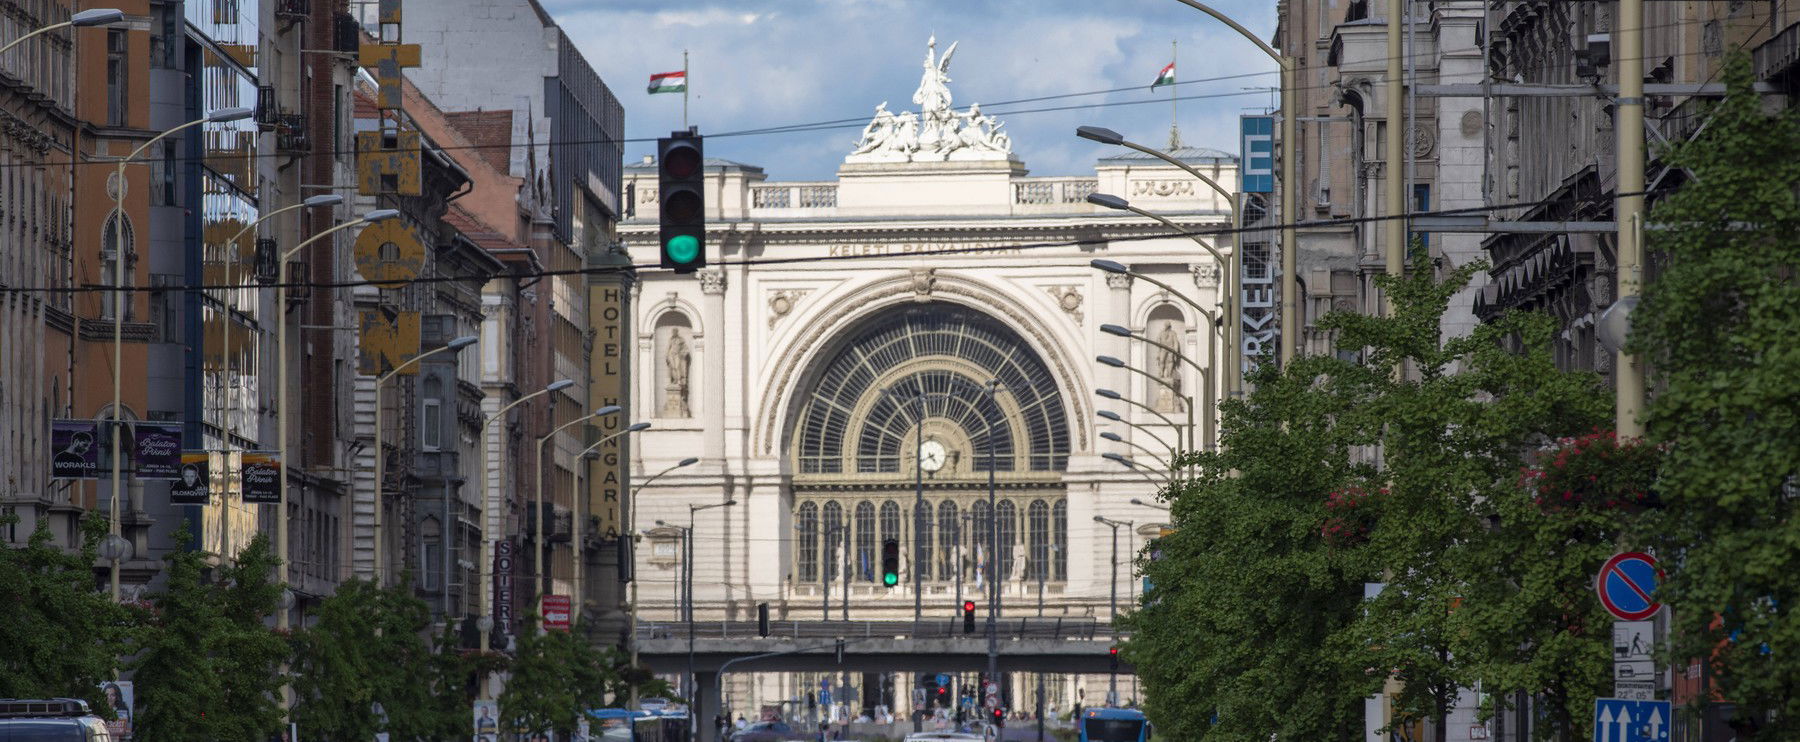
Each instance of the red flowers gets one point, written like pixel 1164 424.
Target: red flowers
pixel 1349 523
pixel 1596 470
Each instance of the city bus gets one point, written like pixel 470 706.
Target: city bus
pixel 624 725
pixel 1114 725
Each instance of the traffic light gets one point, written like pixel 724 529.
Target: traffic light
pixel 890 562
pixel 999 715
pixel 762 619
pixel 968 617
pixel 1114 659
pixel 681 183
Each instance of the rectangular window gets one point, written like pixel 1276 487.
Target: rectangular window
pixel 225 11
pixel 162 176
pixel 431 424
pixel 165 306
pixel 1421 204
pixel 117 67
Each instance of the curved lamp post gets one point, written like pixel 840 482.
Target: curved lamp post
pixel 580 521
pixel 1228 301
pixel 118 308
pixel 543 571
pixel 1117 418
pixel 83 19
pixel 1206 378
pixel 1146 504
pixel 687 563
pixel 381 455
pixel 1112 679
pixel 1126 462
pixel 487 533
pixel 631 534
pixel 1187 402
pixel 1290 140
pixel 1104 393
pixel 1230 381
pixel 1116 438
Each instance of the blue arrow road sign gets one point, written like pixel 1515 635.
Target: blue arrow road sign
pixel 943 679
pixel 1621 720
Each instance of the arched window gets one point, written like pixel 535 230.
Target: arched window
pixel 949 538
pixel 109 266
pixel 834 535
pixel 808 526
pixel 890 522
pixel 1007 520
pixel 922 521
pixel 981 530
pixel 1038 518
pixel 1059 530
pixel 865 541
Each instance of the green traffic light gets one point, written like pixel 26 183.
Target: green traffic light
pixel 890 579
pixel 683 248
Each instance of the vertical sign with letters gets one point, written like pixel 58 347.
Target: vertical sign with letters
pixel 607 308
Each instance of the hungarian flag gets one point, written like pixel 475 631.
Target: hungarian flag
pixel 1165 77
pixel 669 82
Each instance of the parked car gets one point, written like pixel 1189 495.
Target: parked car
pixel 50 720
pixel 767 731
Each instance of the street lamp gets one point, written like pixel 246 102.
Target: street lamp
pixel 380 454
pixel 1117 397
pixel 1128 463
pixel 118 309
pixel 687 563
pixel 1228 299
pixel 487 532
pixel 1205 377
pixel 1187 402
pixel 1229 380
pixel 576 538
pixel 1290 146
pixel 83 19
pixel 1116 438
pixel 543 571
pixel 631 535
pixel 1117 418
pixel 1154 506
pixel 1112 679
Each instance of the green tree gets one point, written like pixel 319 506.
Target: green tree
pixel 1717 328
pixel 557 675
pixel 207 665
pixel 62 636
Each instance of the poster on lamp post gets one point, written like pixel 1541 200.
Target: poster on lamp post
pixel 158 450
pixel 193 481
pixel 75 450
pixel 262 479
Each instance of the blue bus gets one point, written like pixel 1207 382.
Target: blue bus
pixel 1114 725
pixel 624 725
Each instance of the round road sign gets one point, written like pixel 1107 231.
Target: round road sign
pixel 1626 586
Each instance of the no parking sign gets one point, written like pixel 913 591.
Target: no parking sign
pixel 1626 583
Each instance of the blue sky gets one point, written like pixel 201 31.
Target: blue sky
pixel 761 63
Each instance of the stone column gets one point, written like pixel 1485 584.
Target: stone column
pixel 1118 379
pixel 709 351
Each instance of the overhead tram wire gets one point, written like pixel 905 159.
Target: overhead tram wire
pixel 647 267
pixel 859 121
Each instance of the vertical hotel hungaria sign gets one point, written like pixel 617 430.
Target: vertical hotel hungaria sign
pixel 606 305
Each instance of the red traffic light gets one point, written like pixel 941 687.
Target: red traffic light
pixel 999 713
pixel 1114 651
pixel 968 605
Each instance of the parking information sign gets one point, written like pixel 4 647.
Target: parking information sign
pixel 1634 673
pixel 1625 720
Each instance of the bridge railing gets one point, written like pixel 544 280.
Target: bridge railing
pixel 1059 629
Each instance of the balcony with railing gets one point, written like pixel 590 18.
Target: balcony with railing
pixel 1055 194
pixel 793 199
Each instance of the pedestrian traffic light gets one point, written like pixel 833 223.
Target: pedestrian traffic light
pixel 999 716
pixel 968 617
pixel 1114 657
pixel 890 562
pixel 681 183
pixel 762 619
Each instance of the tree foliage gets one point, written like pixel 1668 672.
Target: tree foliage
pixel 1718 328
pixel 1340 472
pixel 207 667
pixel 62 637
pixel 556 677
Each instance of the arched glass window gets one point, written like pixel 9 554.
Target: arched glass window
pixel 1007 520
pixel 1059 530
pixel 949 538
pixel 865 541
pixel 890 522
pixel 1039 533
pixel 109 255
pixel 922 545
pixel 808 526
pixel 982 527
pixel 834 535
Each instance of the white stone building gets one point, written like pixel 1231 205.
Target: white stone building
pixel 789 366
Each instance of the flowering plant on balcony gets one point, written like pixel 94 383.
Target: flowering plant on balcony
pixel 1597 470
pixel 1350 515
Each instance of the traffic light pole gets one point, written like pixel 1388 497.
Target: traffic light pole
pixel 918 532
pixel 993 648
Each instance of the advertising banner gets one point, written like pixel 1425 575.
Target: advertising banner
pixel 119 695
pixel 487 721
pixel 503 588
pixel 193 483
pixel 262 478
pixel 158 450
pixel 75 449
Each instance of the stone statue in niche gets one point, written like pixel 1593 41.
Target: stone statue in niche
pixel 1168 369
pixel 678 361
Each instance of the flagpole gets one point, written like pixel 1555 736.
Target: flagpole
pixel 1174 131
pixel 685 84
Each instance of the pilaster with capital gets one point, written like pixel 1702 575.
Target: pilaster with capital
pixel 1118 311
pixel 710 352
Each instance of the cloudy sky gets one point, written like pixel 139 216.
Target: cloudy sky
pixel 766 63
